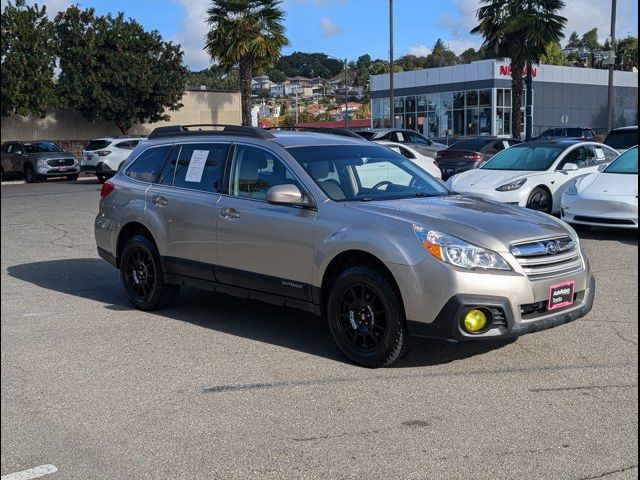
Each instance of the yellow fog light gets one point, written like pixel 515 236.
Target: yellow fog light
pixel 474 321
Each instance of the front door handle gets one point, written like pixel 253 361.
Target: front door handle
pixel 229 213
pixel 159 201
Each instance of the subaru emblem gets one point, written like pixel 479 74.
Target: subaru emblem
pixel 553 247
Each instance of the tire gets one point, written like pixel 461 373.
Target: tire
pixel 366 317
pixel 540 200
pixel 73 178
pixel 30 174
pixel 142 276
pixel 101 178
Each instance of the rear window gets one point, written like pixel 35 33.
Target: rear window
pixel 575 132
pixel 366 135
pixel 97 145
pixel 471 145
pixel 622 139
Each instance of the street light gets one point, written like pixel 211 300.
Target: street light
pixel 391 94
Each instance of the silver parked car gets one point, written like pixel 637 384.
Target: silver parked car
pixel 340 227
pixel 37 160
pixel 408 137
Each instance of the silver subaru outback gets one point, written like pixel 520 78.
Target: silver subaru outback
pixel 339 227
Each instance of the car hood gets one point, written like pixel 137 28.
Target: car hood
pixel 481 179
pixel 48 155
pixel 484 223
pixel 609 185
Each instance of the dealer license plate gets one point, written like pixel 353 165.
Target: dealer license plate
pixel 561 295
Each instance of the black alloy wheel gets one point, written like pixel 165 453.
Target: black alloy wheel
pixel 29 174
pixel 366 318
pixel 540 200
pixel 142 275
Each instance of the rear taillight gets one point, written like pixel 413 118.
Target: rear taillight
pixel 476 157
pixel 107 188
pixel 103 153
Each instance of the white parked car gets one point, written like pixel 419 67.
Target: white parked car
pixel 533 174
pixel 605 199
pixel 420 159
pixel 104 156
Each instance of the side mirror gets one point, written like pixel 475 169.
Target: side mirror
pixel 601 168
pixel 570 167
pixel 287 194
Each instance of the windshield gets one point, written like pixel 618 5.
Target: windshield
pixel 622 139
pixel 362 172
pixel 535 159
pixel 42 147
pixel 626 163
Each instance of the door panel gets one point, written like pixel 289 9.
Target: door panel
pixel 262 246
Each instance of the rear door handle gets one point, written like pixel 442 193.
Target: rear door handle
pixel 229 213
pixel 159 201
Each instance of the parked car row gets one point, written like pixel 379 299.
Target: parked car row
pixel 37 161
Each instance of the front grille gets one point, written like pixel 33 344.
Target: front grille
pixel 60 162
pixel 548 258
pixel 604 221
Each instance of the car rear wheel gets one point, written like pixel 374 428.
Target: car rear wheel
pixel 101 177
pixel 540 200
pixel 366 318
pixel 142 275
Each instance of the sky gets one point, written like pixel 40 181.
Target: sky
pixel 350 28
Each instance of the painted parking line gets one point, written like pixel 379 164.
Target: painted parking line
pixel 35 472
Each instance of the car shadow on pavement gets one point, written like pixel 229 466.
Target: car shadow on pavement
pixel 627 237
pixel 94 279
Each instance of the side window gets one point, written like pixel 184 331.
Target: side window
pixel 7 148
pixel 601 155
pixel 588 134
pixel 197 166
pixel 406 153
pixel 127 145
pixel 610 155
pixel 398 137
pixel 415 138
pixel 255 171
pixel 148 164
pixel 500 145
pixel 17 149
pixel 579 156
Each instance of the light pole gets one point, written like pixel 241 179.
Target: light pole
pixel 346 95
pixel 391 94
pixel 612 62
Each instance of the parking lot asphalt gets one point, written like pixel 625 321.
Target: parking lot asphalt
pixel 216 387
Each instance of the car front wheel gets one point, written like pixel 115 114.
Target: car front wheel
pixel 366 318
pixel 142 275
pixel 540 200
pixel 30 174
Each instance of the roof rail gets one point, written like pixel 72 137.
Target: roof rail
pixel 213 129
pixel 328 130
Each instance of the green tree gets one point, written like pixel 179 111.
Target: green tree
pixel 574 40
pixel 277 76
pixel 553 55
pixel 590 39
pixel 113 70
pixel 469 55
pixel 441 56
pixel 214 77
pixel 519 30
pixel 28 60
pixel 627 53
pixel 248 34
pixel 364 61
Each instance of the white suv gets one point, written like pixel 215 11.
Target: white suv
pixel 104 156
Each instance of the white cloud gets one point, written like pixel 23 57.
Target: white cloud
pixel 329 29
pixel 461 44
pixel 192 34
pixel 581 16
pixel 419 51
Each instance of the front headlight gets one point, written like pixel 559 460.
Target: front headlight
pixel 509 187
pixel 572 189
pixel 42 162
pixel 457 252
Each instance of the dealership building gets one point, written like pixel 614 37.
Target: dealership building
pixel 475 99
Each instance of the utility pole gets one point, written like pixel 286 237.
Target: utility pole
pixel 346 95
pixel 391 95
pixel 296 92
pixel 612 62
pixel 529 103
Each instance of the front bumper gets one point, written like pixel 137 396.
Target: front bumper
pixel 448 323
pixel 58 171
pixel 617 212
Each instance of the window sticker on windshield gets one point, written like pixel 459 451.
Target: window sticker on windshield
pixel 505 144
pixel 599 154
pixel 196 166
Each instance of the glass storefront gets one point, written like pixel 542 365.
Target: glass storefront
pixel 449 114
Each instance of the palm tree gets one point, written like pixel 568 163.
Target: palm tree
pixel 248 34
pixel 519 30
